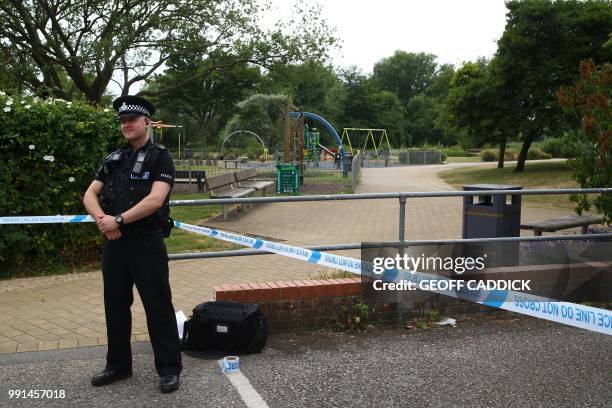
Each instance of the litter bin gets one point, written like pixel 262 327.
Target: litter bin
pixel 492 216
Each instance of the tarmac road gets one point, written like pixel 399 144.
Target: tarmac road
pixel 483 362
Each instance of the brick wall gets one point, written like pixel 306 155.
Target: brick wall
pixel 310 304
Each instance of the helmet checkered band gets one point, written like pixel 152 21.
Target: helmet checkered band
pixel 133 108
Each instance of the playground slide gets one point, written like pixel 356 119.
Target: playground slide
pixel 330 129
pixel 326 149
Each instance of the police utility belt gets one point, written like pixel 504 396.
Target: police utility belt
pixel 125 187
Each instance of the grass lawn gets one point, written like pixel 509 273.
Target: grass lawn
pixel 182 241
pixel 470 159
pixel 536 175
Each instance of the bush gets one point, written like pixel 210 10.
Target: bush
pixel 536 154
pixel 51 150
pixel 557 147
pixel 591 166
pixel 489 155
pixel 510 155
pixel 455 151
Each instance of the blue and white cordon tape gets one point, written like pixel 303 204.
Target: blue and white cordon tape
pixel 307 255
pixel 571 314
pixel 46 219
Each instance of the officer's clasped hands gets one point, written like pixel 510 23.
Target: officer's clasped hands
pixel 112 235
pixel 108 226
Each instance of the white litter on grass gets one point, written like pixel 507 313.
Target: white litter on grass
pixel 449 321
pixel 180 322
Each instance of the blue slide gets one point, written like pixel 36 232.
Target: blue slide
pixel 332 131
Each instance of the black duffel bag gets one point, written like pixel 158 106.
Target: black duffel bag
pixel 226 325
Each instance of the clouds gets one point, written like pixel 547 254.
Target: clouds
pixel 453 30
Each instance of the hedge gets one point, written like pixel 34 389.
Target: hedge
pixel 489 155
pixel 51 150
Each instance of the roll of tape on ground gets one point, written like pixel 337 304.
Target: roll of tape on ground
pixel 231 364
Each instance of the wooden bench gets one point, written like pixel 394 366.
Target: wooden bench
pixel 246 178
pixel 191 176
pixel 568 221
pixel 223 187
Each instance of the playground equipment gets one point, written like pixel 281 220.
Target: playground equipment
pixel 312 147
pixel 263 146
pixel 160 126
pixel 369 136
pixel 296 143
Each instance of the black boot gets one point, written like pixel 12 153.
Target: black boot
pixel 169 383
pixel 109 376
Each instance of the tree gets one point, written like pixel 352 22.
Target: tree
pixel 7 81
pixel 423 111
pixel 474 104
pixel 440 83
pixel 405 74
pixel 305 83
pixel 588 102
pixel 542 43
pixel 367 106
pixel 311 85
pixel 262 114
pixel 207 98
pixel 95 41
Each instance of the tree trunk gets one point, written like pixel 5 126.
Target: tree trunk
pixel 520 164
pixel 204 129
pixel 502 153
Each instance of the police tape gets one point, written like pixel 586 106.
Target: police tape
pixel 302 254
pixel 571 314
pixel 46 219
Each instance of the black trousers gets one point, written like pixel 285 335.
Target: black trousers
pixel 139 258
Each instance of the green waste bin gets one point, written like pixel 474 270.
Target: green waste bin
pixel 287 178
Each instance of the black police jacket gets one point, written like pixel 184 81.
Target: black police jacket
pixel 126 183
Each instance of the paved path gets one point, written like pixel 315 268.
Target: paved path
pixel 62 312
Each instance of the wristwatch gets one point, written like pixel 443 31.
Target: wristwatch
pixel 119 219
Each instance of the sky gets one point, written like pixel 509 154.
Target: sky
pixel 454 30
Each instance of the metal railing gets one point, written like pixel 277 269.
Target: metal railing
pixel 356 170
pixel 402 197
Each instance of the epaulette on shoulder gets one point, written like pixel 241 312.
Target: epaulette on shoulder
pixel 159 146
pixel 118 151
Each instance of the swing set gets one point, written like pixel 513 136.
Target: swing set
pixel 369 135
pixel 159 126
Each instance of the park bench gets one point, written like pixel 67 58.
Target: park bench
pixel 246 178
pixel 191 176
pixel 568 221
pixel 222 186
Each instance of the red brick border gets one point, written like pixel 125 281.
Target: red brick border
pixel 288 290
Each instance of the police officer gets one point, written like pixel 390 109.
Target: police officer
pixel 129 201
